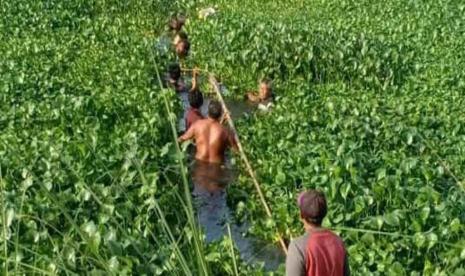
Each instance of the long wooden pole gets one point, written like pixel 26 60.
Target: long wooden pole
pixel 214 83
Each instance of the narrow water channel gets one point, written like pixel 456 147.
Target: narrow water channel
pixel 210 183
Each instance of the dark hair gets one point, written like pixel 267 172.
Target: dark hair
pixel 174 71
pixel 266 81
pixel 182 35
pixel 176 23
pixel 186 48
pixel 195 99
pixel 313 206
pixel 215 110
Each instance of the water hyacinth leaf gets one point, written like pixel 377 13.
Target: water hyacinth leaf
pixel 375 90
pixel 280 177
pixel 90 228
pixel 345 189
pixel 462 254
pixel 10 216
pixel 455 225
pixel 368 238
pixel 433 239
pixel 425 212
pixel 381 174
pixel 420 239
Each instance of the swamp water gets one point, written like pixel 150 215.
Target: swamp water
pixel 209 197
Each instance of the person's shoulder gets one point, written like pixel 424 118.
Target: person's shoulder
pixel 198 123
pixel 300 242
pixel 201 121
pixel 191 111
pixel 333 236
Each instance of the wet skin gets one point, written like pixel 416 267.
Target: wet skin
pixel 211 138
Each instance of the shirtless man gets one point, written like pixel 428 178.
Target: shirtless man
pixel 195 102
pixel 211 138
pixel 193 113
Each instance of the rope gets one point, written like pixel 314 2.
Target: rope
pixel 251 172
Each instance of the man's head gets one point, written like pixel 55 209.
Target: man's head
pixel 312 206
pixel 179 37
pixel 215 110
pixel 195 99
pixel 182 48
pixel 265 89
pixel 176 23
pixel 174 71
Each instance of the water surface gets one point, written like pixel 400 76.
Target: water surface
pixel 209 192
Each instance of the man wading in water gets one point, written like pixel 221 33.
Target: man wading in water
pixel 264 96
pixel 211 138
pixel 319 252
pixel 209 173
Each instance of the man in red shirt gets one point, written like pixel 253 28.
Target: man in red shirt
pixel 193 113
pixel 319 252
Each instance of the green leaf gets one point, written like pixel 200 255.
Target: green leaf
pixel 10 215
pixel 392 219
pixel 455 225
pixel 345 189
pixel 425 212
pixel 420 240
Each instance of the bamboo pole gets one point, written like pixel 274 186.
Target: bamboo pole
pixel 214 83
pixel 194 69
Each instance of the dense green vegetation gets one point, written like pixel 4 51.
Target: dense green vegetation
pixel 88 173
pixel 369 109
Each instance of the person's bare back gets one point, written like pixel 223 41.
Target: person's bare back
pixel 211 138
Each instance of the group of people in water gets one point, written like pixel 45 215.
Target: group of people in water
pixel 319 251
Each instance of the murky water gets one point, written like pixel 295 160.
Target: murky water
pixel 209 193
pixel 236 108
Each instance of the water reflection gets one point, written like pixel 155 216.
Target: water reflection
pixel 209 195
pixel 210 182
pixel 235 107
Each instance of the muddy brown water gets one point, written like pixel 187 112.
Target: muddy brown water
pixel 209 193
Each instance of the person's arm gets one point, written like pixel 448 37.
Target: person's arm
pixel 194 79
pixel 252 97
pixel 225 117
pixel 189 134
pixel 295 261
